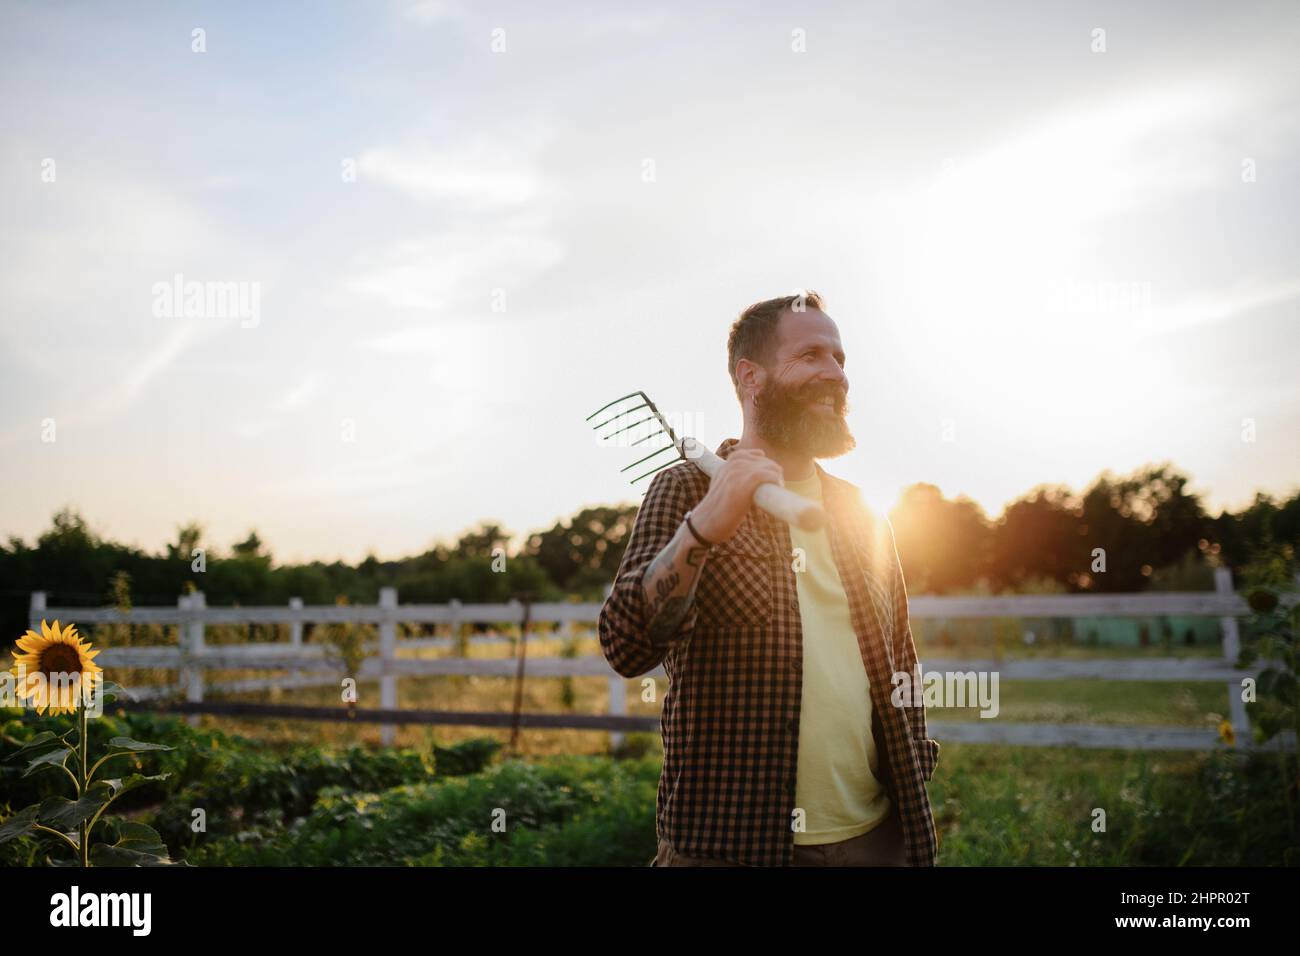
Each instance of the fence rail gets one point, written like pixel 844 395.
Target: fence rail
pixel 312 665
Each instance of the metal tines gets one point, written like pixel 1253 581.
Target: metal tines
pixel 628 413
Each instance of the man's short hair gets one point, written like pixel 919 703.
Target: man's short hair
pixel 753 335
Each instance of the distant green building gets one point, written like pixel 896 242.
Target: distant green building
pixel 1146 632
pixel 977 634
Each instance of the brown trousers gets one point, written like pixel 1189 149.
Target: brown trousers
pixel 882 845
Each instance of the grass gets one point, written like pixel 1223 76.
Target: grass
pixel 277 804
pixel 1009 806
pixel 283 792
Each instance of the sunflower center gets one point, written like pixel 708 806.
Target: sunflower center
pixel 60 659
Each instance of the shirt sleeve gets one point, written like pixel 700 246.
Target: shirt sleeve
pixel 927 748
pixel 622 624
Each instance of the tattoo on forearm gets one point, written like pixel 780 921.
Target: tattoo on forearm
pixel 669 585
pixel 667 618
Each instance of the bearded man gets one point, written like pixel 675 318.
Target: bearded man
pixel 782 742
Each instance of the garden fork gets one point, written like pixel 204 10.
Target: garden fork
pixel 775 500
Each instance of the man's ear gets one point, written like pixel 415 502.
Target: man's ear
pixel 751 376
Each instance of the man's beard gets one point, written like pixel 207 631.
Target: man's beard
pixel 786 419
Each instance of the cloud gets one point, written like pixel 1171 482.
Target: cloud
pixel 476 181
pixel 624 22
pixel 496 227
pixel 256 429
pixel 429 12
pixel 999 236
pixel 103 401
pixel 79 285
pixel 298 396
pixel 495 167
pixel 434 274
pixel 1246 297
pixel 458 355
pixel 1088 164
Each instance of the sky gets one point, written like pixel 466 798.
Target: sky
pixel 1055 242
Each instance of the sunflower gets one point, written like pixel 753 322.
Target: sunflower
pixel 1227 734
pixel 45 668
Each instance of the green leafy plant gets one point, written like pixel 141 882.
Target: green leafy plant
pixel 568 695
pixel 47 661
pixel 346 646
pixel 1272 642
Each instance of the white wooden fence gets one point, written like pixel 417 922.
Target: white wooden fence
pixel 312 666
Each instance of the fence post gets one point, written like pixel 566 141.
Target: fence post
pixel 295 628
pixel 516 613
pixel 453 613
pixel 1231 648
pixel 192 648
pixel 388 654
pixel 182 640
pixel 37 611
pixel 295 635
pixel 617 693
pixel 617 707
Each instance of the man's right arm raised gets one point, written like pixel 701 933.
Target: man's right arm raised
pixel 651 607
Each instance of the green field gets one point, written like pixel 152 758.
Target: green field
pixel 435 803
pixel 283 792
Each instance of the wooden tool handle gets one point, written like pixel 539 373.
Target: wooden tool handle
pixel 777 501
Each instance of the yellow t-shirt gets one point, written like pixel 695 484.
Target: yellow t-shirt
pixel 836 783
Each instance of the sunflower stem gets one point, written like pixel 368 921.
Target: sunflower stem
pixel 100 811
pixel 58 833
pixel 84 747
pixel 75 782
pixel 120 753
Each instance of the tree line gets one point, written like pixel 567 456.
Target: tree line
pixel 1128 533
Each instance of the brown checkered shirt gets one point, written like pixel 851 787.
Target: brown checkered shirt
pixel 730 717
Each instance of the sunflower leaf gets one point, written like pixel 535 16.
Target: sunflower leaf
pixel 111 690
pixel 64 814
pixel 20 824
pixel 54 758
pixel 44 739
pixel 129 746
pixel 101 854
pixel 119 786
pixel 132 832
pixel 137 845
